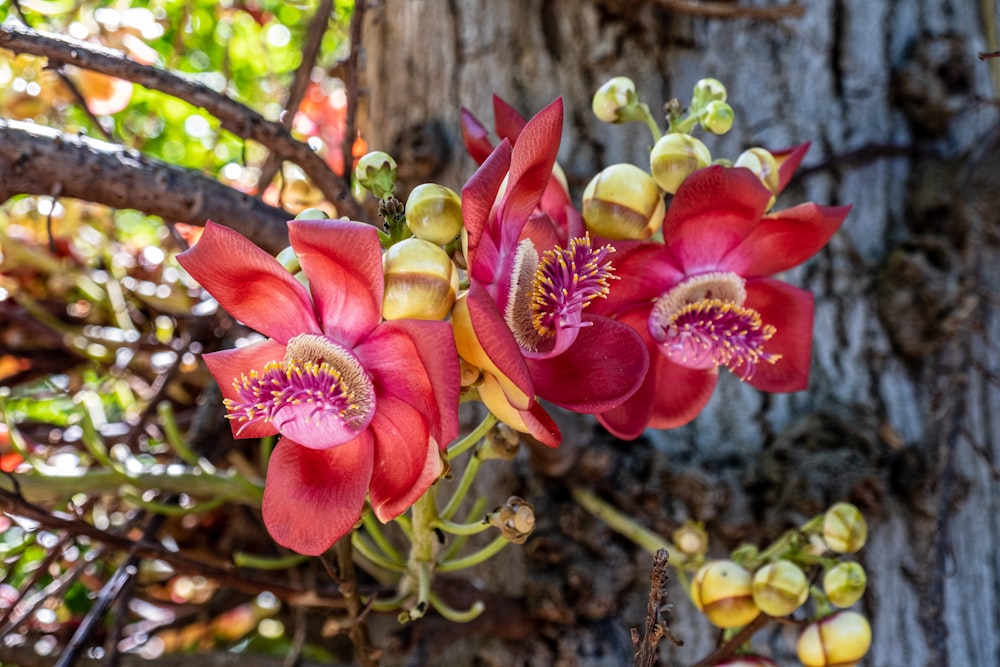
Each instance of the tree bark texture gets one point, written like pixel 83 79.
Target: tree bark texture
pixel 901 415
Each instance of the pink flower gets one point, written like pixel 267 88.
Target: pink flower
pixel 524 320
pixel 364 406
pixel 703 299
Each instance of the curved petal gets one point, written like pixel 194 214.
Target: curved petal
pixel 478 196
pixel 314 497
pixel 606 364
pixel 789 160
pixel 343 261
pixel 534 421
pixel 790 310
pixel 416 362
pixel 407 459
pixel 228 366
pixel 679 393
pixel 507 120
pixel 785 239
pixel 250 284
pixel 713 210
pixel 475 136
pixel 629 420
pixel 644 274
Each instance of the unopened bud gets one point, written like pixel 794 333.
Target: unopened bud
pixel 839 640
pixel 722 591
pixel 420 281
pixel 675 157
pixel 845 583
pixel 623 202
pixel 844 529
pixel 515 520
pixel 779 588
pixel 501 442
pixel 613 98
pixel 376 172
pixel 470 374
pixel 288 259
pixel 718 118
pixel 691 539
pixel 434 213
pixel 706 91
pixel 312 214
pixel 762 163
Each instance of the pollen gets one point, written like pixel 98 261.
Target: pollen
pixel 567 281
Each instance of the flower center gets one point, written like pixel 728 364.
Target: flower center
pixel 548 295
pixel 702 323
pixel 318 387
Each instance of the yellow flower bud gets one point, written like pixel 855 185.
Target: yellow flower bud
pixel 420 281
pixel 839 640
pixel 612 98
pixel 691 539
pixel 722 591
pixel 434 213
pixel 718 118
pixel 623 202
pixel 376 172
pixel 845 583
pixel 761 162
pixel 708 90
pixel 675 157
pixel 312 214
pixel 844 529
pixel 780 588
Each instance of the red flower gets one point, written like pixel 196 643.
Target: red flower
pixel 703 299
pixel 364 406
pixel 524 320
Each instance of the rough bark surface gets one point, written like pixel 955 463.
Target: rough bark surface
pixel 901 414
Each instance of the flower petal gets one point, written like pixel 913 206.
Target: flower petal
pixel 343 261
pixel 534 421
pixel 606 364
pixel 645 270
pixel 230 365
pixel 790 310
pixel 713 210
pixel 679 393
pixel 250 284
pixel 407 459
pixel 476 137
pixel 789 160
pixel 313 497
pixel 507 120
pixel 785 239
pixel 478 196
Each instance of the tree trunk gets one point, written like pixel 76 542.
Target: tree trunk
pixel 900 416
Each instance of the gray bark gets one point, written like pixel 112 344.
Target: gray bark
pixel 901 413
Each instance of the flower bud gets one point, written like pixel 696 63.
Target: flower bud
pixel 501 442
pixel 420 281
pixel 718 118
pixel 762 163
pixel 675 157
pixel 376 172
pixel 845 583
pixel 839 640
pixel 288 259
pixel 706 91
pixel 612 98
pixel 434 213
pixel 722 591
pixel 691 539
pixel 515 520
pixel 623 202
pixel 747 661
pixel 780 588
pixel 312 214
pixel 844 529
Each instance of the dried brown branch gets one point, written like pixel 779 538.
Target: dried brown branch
pixel 740 638
pixel 728 10
pixel 235 117
pixel 37 160
pixel 647 649
pixel 991 54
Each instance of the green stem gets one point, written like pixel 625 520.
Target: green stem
pixel 244 559
pixel 17 440
pixel 174 436
pixel 368 551
pixel 169 509
pixel 454 615
pixel 378 537
pixel 473 437
pixel 453 528
pixel 475 558
pixel 469 474
pixel 624 525
pixel 478 508
pixel 91 402
pixel 423 594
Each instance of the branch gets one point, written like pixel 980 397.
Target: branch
pixel 647 649
pixel 727 10
pixel 42 161
pixel 235 117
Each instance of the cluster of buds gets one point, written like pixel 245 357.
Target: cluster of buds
pixel 776 581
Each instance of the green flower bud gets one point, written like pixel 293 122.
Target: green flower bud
pixel 707 90
pixel 839 640
pixel 761 162
pixel 434 213
pixel 623 202
pixel 613 98
pixel 376 172
pixel 722 591
pixel 675 157
pixel 780 588
pixel 718 118
pixel 420 281
pixel 844 529
pixel 288 259
pixel 845 583
pixel 312 214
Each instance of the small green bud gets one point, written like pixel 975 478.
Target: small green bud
pixel 675 157
pixel 288 259
pixel 707 90
pixel 718 118
pixel 761 162
pixel 779 588
pixel 623 202
pixel 613 98
pixel 434 213
pixel 421 281
pixel 312 214
pixel 839 640
pixel 844 528
pixel 376 172
pixel 845 583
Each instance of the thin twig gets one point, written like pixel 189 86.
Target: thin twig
pixel 727 10
pixel 734 643
pixel 991 54
pixel 352 83
pixel 647 649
